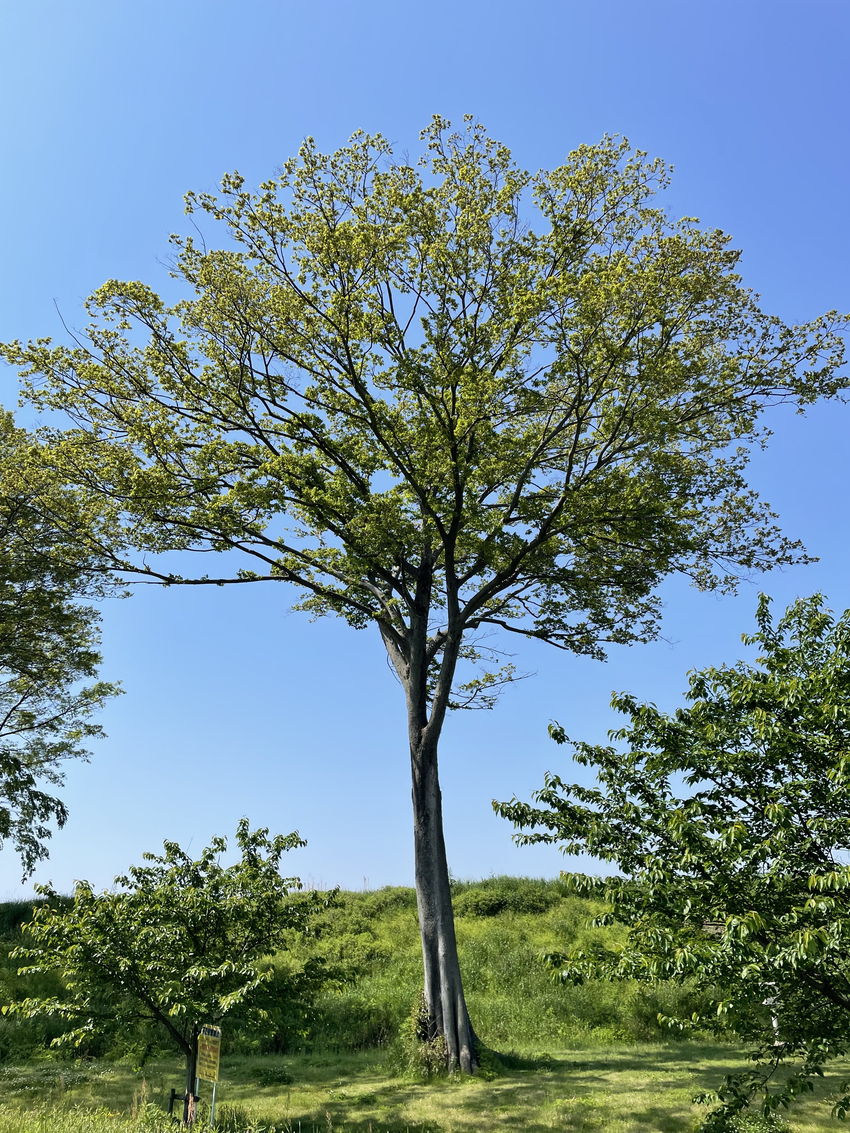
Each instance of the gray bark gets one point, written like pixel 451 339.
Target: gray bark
pixel 411 653
pixel 444 998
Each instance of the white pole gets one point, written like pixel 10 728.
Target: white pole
pixel 212 1107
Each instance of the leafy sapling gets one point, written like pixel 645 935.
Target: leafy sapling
pixel 177 943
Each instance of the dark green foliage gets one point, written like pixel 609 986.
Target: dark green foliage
pixel 13 914
pixel 417 1052
pixel 48 644
pixel 45 1077
pixel 21 1039
pixel 503 895
pixel 274 1076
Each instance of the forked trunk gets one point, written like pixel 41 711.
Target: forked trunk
pixel 444 999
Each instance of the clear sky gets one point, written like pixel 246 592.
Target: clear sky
pixel 110 111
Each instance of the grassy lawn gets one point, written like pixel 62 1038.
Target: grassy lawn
pixel 621 1089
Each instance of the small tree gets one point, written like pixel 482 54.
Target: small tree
pixel 48 643
pixel 179 943
pixel 433 419
pixel 730 824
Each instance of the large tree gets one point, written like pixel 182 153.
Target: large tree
pixel 729 824
pixel 48 643
pixel 394 393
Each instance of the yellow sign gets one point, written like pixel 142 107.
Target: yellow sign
pixel 209 1047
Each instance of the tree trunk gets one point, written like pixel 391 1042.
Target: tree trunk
pixel 191 1074
pixel 444 999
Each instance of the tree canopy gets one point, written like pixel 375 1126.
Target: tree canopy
pixel 729 824
pixel 445 400
pixel 48 644
pixel 391 365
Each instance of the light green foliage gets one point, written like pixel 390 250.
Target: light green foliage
pixel 50 1119
pixel 177 943
pixel 149 1119
pixel 48 642
pixel 730 824
pixel 442 397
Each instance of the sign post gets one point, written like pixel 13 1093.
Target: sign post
pixel 209 1049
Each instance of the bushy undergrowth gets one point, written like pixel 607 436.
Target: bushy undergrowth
pixel 757 1123
pixel 371 939
pixel 21 1038
pixel 503 926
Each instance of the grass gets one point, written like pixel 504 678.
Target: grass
pixel 590 1058
pixel 503 925
pixel 618 1089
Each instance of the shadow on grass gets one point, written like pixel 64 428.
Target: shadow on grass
pixel 637 1088
pixel 626 1090
pixel 536 1093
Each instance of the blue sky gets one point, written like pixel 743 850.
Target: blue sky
pixel 110 111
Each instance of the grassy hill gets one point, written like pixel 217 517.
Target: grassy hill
pixel 371 940
pixel 503 925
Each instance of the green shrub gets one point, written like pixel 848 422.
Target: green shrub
pixel 504 895
pixel 415 1054
pixel 274 1076
pixel 756 1123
